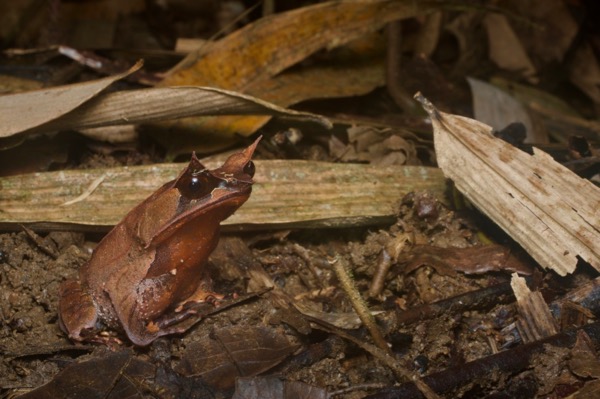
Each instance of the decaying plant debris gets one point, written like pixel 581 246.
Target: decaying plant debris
pixel 427 343
pixel 549 210
pixel 354 270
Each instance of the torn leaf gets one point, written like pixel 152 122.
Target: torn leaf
pixel 550 211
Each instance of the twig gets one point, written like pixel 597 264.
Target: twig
pixel 341 270
pixel 501 364
pixel 481 299
pixel 401 372
pixel 378 281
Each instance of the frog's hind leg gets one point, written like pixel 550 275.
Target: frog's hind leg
pixel 77 313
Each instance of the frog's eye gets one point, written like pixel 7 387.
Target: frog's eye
pixel 249 169
pixel 195 185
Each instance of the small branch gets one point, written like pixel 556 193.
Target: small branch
pixel 358 303
pixel 401 372
pixel 500 365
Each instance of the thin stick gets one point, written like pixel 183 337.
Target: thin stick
pixel 341 270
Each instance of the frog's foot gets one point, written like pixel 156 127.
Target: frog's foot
pixel 105 338
pixel 185 311
pixel 201 303
pixel 181 320
pixel 199 297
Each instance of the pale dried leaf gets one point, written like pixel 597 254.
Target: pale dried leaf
pixel 286 194
pixel 146 105
pixel 137 106
pixel 550 211
pixel 112 134
pixel 497 108
pixel 505 47
pixel 28 110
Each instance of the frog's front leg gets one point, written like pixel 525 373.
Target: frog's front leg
pixel 77 312
pixel 193 307
pixel 153 315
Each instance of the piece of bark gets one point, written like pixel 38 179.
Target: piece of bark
pixel 287 194
pixel 536 321
pixel 550 211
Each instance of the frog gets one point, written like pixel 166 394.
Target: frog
pixel 148 274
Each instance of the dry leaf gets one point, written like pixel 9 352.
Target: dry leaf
pixel 585 72
pixel 429 35
pixel 505 47
pixel 584 359
pixel 470 260
pixel 28 110
pixel 558 118
pixel 545 207
pixel 287 193
pixel 346 320
pixel 381 147
pixel 15 84
pixel 249 59
pixel 497 108
pixel 237 351
pixel 270 45
pixel 74 107
pixel 591 390
pixel 96 378
pixel 550 31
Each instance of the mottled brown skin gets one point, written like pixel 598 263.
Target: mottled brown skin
pixel 146 274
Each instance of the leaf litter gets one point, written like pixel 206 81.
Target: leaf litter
pixel 442 300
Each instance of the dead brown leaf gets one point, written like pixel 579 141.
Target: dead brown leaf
pixel 470 260
pixel 506 49
pixel 249 59
pixel 97 378
pixel 238 351
pixel 584 359
pixel 376 146
pixel 550 211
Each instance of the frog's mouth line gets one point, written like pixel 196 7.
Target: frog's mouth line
pixel 235 198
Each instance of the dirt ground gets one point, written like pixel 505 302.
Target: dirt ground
pixel 425 302
pixel 35 351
